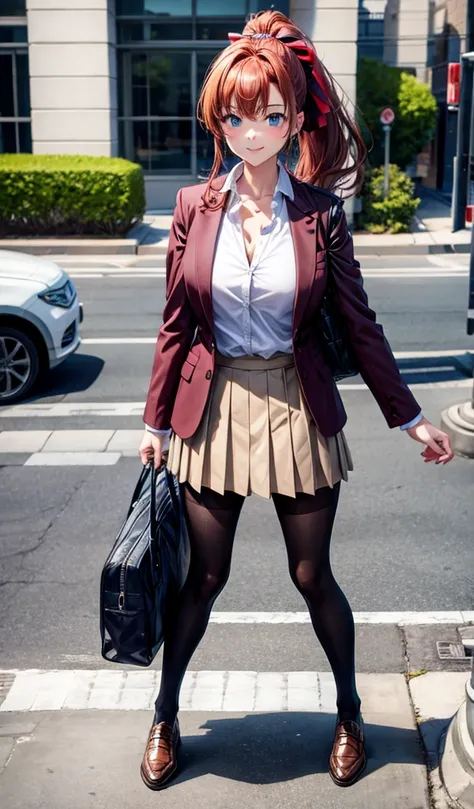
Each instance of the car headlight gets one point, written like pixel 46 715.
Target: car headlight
pixel 59 296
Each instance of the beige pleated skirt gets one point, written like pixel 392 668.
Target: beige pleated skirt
pixel 257 435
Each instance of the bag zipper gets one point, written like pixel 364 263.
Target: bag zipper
pixel 123 570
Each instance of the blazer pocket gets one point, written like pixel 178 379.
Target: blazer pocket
pixel 188 366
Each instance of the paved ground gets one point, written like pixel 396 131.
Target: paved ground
pixel 258 703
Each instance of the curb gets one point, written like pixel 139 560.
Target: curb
pixel 133 247
pixel 71 247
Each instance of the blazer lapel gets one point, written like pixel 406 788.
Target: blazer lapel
pixel 303 225
pixel 204 251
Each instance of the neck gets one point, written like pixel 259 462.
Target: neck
pixel 259 181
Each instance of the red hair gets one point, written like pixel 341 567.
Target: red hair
pixel 243 72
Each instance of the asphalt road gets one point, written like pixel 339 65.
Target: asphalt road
pixel 404 530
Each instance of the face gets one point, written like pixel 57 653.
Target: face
pixel 257 140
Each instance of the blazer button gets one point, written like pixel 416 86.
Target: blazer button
pixel 208 374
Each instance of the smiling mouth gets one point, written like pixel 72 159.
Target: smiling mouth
pixel 259 148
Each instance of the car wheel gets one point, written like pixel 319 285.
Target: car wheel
pixel 19 365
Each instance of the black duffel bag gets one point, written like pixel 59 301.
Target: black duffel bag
pixel 144 571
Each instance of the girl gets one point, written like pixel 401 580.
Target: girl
pixel 238 372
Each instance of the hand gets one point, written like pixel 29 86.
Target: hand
pixel 151 449
pixel 438 447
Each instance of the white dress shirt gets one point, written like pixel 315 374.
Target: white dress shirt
pixel 253 304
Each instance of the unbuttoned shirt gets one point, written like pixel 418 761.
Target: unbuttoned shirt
pixel 253 302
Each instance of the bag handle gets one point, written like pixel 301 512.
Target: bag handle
pixel 169 479
pixel 136 494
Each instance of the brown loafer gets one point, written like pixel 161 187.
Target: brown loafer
pixel 160 761
pixel 348 758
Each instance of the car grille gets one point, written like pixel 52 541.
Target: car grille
pixel 69 335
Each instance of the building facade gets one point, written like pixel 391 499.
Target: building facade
pixel 122 77
pixel 452 34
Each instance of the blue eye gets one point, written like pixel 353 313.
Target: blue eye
pixel 275 119
pixel 233 120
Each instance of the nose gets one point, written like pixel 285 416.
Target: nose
pixel 251 134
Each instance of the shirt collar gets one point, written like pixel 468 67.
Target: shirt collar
pixel 283 185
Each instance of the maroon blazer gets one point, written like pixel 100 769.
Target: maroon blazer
pixel 184 356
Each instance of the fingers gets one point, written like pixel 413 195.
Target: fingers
pixel 441 453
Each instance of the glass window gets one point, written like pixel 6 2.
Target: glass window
pixel 171 28
pixel 159 146
pixel 160 84
pixel 218 29
pixel 13 33
pixel 170 147
pixel 23 84
pixel 24 136
pixel 141 8
pixel 170 84
pixel 7 106
pixel 204 59
pixel 12 8
pixel 15 136
pixel 7 137
pixel 215 8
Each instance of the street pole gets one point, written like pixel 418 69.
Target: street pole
pixel 458 420
pixel 462 147
pixel 470 308
pixel 386 181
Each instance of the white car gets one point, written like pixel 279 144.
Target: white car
pixel 39 321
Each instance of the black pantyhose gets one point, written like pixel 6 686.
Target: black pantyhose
pixel 306 523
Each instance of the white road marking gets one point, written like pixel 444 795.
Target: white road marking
pixel 117 341
pixel 73 459
pixel 114 409
pixel 37 690
pixel 127 271
pixel 399 355
pixel 397 617
pixel 453 383
pixel 224 691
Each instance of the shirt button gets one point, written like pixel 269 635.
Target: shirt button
pixel 208 374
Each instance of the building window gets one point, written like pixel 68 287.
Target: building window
pixel 12 8
pixel 15 120
pixel 162 60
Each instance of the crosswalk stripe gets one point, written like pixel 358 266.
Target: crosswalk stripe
pixel 398 618
pixel 252 691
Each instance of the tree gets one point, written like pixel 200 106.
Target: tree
pixel 379 86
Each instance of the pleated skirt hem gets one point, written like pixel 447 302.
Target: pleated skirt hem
pixel 257 436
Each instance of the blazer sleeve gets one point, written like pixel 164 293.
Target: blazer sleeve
pixel 176 332
pixel 375 359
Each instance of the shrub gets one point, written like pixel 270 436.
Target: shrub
pixel 393 214
pixel 379 86
pixel 69 194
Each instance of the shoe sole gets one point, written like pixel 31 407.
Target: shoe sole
pixel 353 779
pixel 164 783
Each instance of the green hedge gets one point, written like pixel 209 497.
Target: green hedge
pixel 69 195
pixel 393 214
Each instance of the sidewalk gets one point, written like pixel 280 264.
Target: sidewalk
pixel 267 758
pixel 431 233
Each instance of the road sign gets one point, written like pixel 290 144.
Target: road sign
pixel 387 116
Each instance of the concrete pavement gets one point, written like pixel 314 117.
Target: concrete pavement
pixel 79 758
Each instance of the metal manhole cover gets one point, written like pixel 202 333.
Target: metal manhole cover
pixel 451 651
